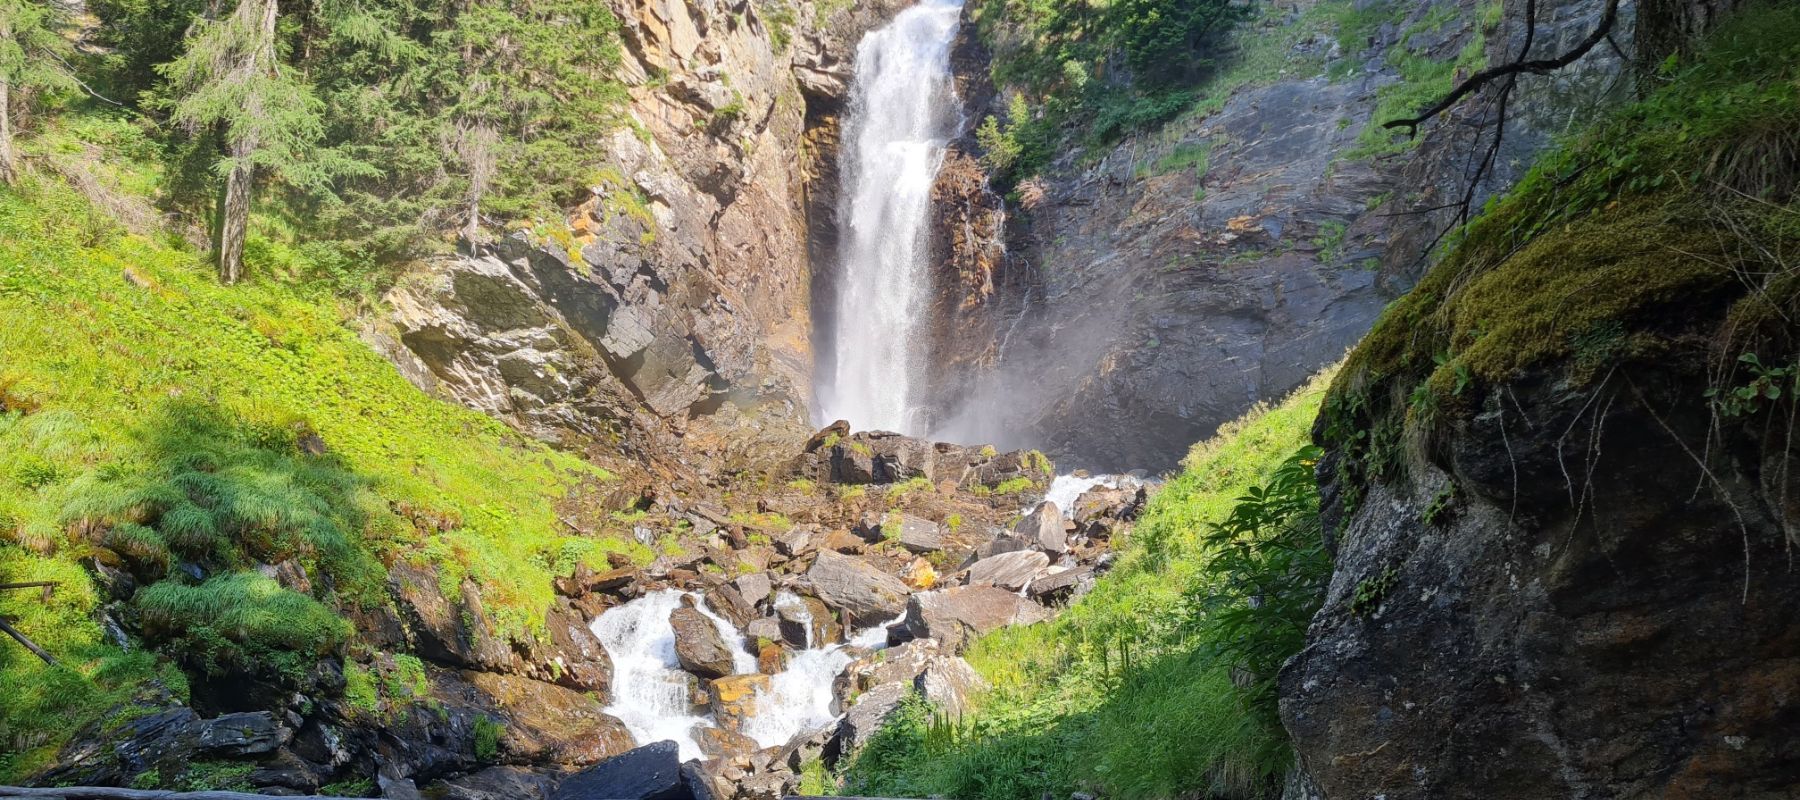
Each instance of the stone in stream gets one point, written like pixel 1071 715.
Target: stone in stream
pixel 754 587
pixel 651 772
pixel 865 593
pixel 1010 571
pixel 698 645
pixel 1043 527
pixel 954 616
pixel 734 698
pixel 725 600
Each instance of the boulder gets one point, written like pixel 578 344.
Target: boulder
pixel 727 602
pixel 833 433
pixel 754 587
pixel 1063 585
pixel 806 622
pixel 864 593
pixel 733 698
pixel 763 629
pixel 954 616
pixel 872 710
pixel 495 783
pixel 698 644
pixel 1011 571
pixel 243 734
pixel 545 723
pixel 651 772
pixel 580 661
pixel 722 742
pixel 1001 543
pixel 1043 528
pixel 795 542
pixel 948 682
pixel 920 535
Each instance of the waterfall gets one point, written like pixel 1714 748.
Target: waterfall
pixel 902 112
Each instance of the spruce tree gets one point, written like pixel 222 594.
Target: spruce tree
pixel 232 77
pixel 31 61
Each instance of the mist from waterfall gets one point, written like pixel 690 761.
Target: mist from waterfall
pixel 902 112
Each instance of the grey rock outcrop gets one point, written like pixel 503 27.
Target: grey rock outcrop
pixel 863 592
pixel 954 616
pixel 1010 571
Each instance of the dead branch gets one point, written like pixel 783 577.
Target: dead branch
pixel 28 585
pixel 1520 65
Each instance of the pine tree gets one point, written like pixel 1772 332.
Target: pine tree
pixel 232 77
pixel 31 61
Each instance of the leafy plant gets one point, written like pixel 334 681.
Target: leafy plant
pixel 1767 383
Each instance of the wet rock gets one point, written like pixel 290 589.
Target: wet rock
pixel 722 742
pixel 953 616
pixel 734 698
pixel 651 772
pixel 698 645
pixel 1043 528
pixel 545 723
pixel 764 629
pixel 864 593
pixel 806 622
pixel 725 601
pixel 581 662
pixel 242 734
pixel 1010 571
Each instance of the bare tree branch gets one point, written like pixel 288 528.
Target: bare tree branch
pixel 1513 68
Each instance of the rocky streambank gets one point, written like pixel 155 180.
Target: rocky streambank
pixel 886 552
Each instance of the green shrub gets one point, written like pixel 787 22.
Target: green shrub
pixel 487 738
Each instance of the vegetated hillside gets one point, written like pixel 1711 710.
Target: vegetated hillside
pixel 1562 472
pixel 167 444
pixel 1159 682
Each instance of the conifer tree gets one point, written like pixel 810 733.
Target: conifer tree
pixel 232 77
pixel 31 61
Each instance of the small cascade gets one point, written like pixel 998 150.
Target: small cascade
pixel 1066 489
pixel 650 693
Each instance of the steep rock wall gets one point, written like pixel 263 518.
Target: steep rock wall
pixel 674 301
pixel 1170 282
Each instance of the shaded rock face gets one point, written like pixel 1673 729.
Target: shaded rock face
pixel 1138 291
pixel 1591 616
pixel 698 645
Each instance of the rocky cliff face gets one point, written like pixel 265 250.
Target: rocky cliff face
pixel 1168 283
pixel 675 300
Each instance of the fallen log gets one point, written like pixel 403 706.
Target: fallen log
pixel 26 642
pixel 111 793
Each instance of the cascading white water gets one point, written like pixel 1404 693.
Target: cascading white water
pixel 901 115
pixel 649 690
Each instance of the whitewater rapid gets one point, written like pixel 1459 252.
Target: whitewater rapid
pixel 901 115
pixel 650 693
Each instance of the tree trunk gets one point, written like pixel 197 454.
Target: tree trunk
pixel 8 167
pixel 234 206
pixel 234 216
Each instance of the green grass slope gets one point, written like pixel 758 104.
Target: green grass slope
pixel 1130 690
pixel 158 425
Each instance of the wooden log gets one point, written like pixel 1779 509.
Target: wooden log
pixel 28 585
pixel 6 626
pixel 111 793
